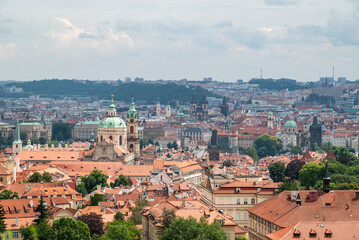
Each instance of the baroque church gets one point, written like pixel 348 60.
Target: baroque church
pixel 117 140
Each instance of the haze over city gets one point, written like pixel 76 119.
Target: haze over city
pixel 227 40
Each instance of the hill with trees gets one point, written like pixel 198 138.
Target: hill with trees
pixel 56 88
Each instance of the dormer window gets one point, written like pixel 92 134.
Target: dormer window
pixel 312 233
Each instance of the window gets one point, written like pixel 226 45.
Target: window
pixel 253 201
pixel 15 234
pixel 245 216
pixel 111 138
pixel 131 129
pixel 120 140
pixel 238 216
pixel 238 201
pixel 245 201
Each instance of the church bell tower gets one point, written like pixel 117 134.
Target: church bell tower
pixel 133 142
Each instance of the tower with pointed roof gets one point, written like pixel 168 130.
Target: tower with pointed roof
pixel 133 141
pixel 270 120
pixel 17 143
pixel 326 178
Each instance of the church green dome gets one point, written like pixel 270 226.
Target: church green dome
pixel 111 122
pixel 290 123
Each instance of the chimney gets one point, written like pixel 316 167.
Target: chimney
pixel 14 179
pixel 46 147
pixel 31 203
pixel 16 221
pixel 298 200
pixel 52 147
pixel 66 147
pixel 73 147
pixel 183 203
pixel 60 146
pixel 38 146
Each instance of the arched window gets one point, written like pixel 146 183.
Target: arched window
pixel 111 138
pixel 120 140
pixel 131 146
pixel 131 129
pixel 101 138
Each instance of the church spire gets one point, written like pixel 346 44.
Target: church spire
pixel 326 178
pixel 17 133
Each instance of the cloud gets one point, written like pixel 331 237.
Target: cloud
pixel 4 24
pixel 339 30
pixel 68 40
pixel 281 2
pixel 9 50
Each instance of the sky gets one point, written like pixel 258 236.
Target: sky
pixel 167 39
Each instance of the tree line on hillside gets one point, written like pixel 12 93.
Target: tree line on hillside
pixel 56 88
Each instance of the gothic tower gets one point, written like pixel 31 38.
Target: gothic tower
pixel 133 142
pixel 316 132
pixel 158 108
pixel 214 148
pixel 17 144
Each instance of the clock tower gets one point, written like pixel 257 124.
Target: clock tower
pixel 133 142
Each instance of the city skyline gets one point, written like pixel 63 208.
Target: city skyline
pixel 227 41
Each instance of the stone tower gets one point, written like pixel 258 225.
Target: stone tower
pixel 214 148
pixel 158 108
pixel 133 141
pixel 316 132
pixel 270 120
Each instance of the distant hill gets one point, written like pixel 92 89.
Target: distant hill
pixel 277 84
pixel 142 91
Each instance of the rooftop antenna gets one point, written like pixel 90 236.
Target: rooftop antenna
pixel 261 74
pixel 333 73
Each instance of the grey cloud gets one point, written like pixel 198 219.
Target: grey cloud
pixel 4 24
pixel 339 31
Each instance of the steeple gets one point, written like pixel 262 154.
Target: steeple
pixel 17 133
pixel 326 178
pixel 17 144
pixel 112 109
pixel 132 113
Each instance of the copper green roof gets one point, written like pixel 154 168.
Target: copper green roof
pixel 30 124
pixel 112 122
pixel 290 123
pixel 132 113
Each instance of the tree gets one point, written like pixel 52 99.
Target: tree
pixel 227 163
pixel 167 217
pixel 8 194
pixel 61 131
pixel 343 155
pixel 157 143
pixel 143 143
pixel 186 229
pixel 95 199
pixel 42 140
pixel 37 177
pixel 326 146
pixel 169 145
pixel 68 228
pixel 136 216
pixel 293 168
pixel 276 171
pixel 90 182
pixel 174 145
pixel 119 216
pixel 150 141
pixel 2 219
pixel 310 173
pixel 120 181
pixel 94 222
pixel 40 231
pixel 121 230
pixel 347 186
pixel 267 145
pixel 42 209
pixel 296 150
pixel 240 238
pixel 252 152
pixel 287 185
